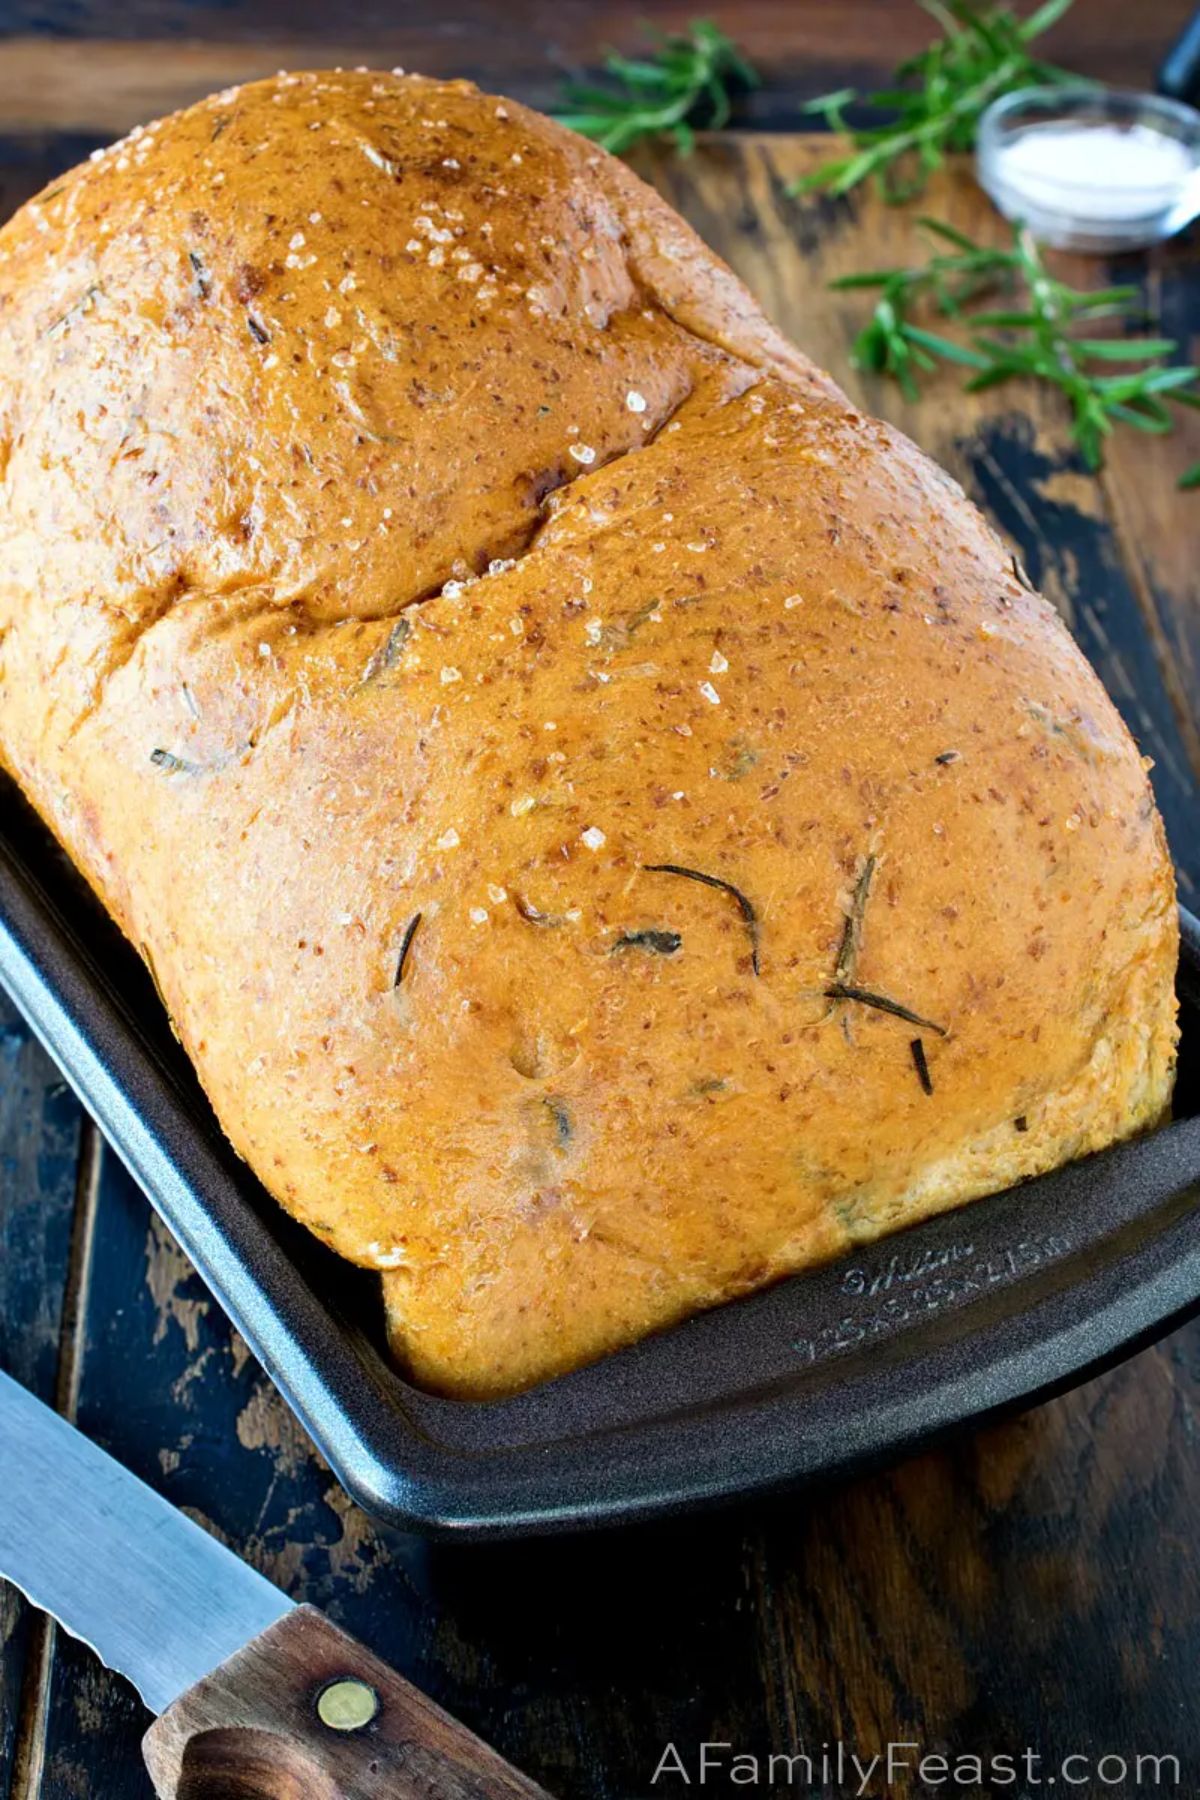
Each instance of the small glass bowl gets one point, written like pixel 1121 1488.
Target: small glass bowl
pixel 1077 214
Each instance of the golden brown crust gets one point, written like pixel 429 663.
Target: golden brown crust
pixel 332 594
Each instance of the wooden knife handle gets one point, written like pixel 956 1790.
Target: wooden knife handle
pixel 306 1713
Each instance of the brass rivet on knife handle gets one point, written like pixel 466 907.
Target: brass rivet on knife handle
pixel 347 1704
pixel 256 1729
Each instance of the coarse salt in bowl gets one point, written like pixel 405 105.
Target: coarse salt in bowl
pixel 1092 168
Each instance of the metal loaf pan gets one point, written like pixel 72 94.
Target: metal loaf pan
pixel 999 1304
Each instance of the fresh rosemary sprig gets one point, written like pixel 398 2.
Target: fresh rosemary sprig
pixel 891 344
pixel 938 98
pixel 1037 335
pixel 688 81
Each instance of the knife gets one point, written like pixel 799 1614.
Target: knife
pixel 258 1699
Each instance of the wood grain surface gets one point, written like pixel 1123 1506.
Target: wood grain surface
pixel 1032 1587
pixel 95 64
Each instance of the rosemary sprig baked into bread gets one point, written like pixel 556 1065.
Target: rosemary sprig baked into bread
pixel 610 823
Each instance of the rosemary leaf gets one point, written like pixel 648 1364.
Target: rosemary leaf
pixel 947 348
pixel 410 932
pixel 921 1064
pixel 656 942
pixel 744 906
pixel 1126 349
pixel 689 81
pixel 841 990
pixel 847 954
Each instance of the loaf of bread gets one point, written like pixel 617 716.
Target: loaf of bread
pixel 611 824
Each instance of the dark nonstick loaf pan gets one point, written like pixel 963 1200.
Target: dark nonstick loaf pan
pixel 1006 1301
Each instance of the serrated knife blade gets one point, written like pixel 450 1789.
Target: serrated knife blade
pixel 118 1566
pixel 253 1695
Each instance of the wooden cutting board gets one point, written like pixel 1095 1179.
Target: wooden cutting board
pixel 1033 1586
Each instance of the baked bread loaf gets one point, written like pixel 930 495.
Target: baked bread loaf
pixel 611 824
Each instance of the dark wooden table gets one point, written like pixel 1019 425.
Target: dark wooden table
pixel 1033 1588
pixel 103 65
